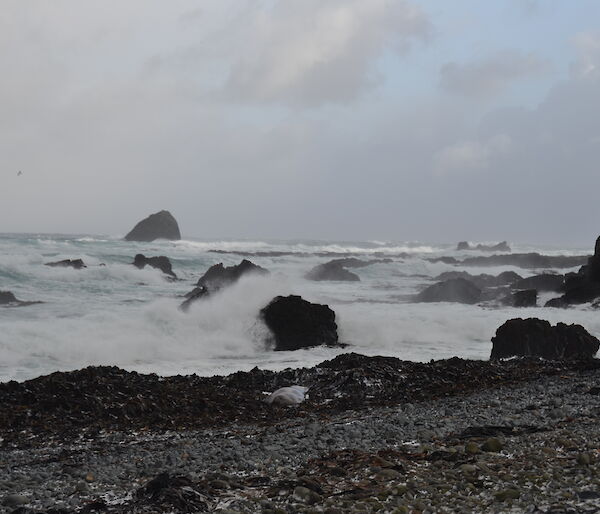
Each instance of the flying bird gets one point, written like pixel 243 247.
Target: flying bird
pixel 19 173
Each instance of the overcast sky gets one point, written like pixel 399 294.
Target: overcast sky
pixel 323 119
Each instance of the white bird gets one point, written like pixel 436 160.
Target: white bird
pixel 292 395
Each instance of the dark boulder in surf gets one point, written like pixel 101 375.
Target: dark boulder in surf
pixel 67 263
pixel 8 299
pixel 482 280
pixel 331 271
pixel 544 282
pixel 296 323
pixel 160 225
pixel 534 337
pixel 526 260
pixel 457 290
pixel 218 277
pixel 161 262
pixel 523 298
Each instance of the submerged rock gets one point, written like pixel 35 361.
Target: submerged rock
pixel 296 323
pixel 331 271
pixel 160 225
pixel 67 263
pixel 8 299
pixel 537 338
pixel 457 290
pixel 161 262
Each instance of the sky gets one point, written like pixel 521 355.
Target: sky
pixel 394 120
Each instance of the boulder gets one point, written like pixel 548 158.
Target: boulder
pixel 544 282
pixel 296 323
pixel 67 263
pixel 219 276
pixel 523 298
pixel 454 290
pixel 331 271
pixel 161 225
pixel 534 337
pixel 463 245
pixel 482 280
pixel 161 262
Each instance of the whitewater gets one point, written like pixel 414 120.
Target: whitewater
pixel 112 313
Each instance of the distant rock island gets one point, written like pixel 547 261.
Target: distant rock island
pixel 161 225
pixel 500 247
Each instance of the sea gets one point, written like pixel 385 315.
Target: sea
pixel 112 313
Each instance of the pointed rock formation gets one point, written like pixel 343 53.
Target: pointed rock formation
pixel 161 225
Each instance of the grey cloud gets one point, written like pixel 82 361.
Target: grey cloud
pixel 311 52
pixel 489 76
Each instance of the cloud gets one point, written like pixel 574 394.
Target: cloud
pixel 587 45
pixel 309 52
pixel 471 155
pixel 490 76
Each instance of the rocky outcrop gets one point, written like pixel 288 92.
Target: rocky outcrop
pixel 583 286
pixel 67 263
pixel 8 299
pixel 500 247
pixel 219 276
pixel 544 282
pixel 534 337
pixel 331 271
pixel 161 225
pixel 161 262
pixel 457 290
pixel 523 298
pixel 296 323
pixel 483 280
pixel 526 260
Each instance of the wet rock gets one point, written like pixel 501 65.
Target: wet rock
pixel 306 495
pixel 160 225
pixel 161 262
pixel 492 444
pixel 526 260
pixel 454 290
pixel 333 271
pixel 218 277
pixel 525 298
pixel 67 263
pixel 483 280
pixel 507 494
pixel 296 323
pixel 544 282
pixel 535 337
pixel 15 500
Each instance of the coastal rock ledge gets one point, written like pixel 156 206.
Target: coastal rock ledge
pixel 160 225
pixel 534 337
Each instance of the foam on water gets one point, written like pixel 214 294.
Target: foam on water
pixel 119 315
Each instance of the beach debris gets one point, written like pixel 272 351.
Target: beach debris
pixel 292 395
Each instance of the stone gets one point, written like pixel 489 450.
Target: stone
pixel 15 500
pixel 296 323
pixel 67 263
pixel 507 494
pixel 492 444
pixel 305 495
pixel 160 225
pixel 8 299
pixel 525 298
pixel 457 290
pixel 161 262
pixel 499 247
pixel 584 459
pixel 331 271
pixel 471 448
pixel 537 338
pixel 387 475
pixel 544 282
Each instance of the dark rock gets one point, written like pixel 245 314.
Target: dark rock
pixel 331 271
pixel 219 276
pixel 161 262
pixel 444 259
pixel 483 280
pixel 527 260
pixel 161 225
pixel 544 282
pixel 524 298
pixel 557 303
pixel 500 247
pixel 67 263
pixel 534 337
pixel 353 262
pixel 8 299
pixel 453 290
pixel 296 323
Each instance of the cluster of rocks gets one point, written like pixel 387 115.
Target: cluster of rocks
pixel 161 262
pixel 336 269
pixel 500 247
pixel 67 263
pixel 531 260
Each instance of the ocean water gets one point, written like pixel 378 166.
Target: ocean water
pixel 116 314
